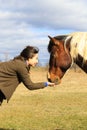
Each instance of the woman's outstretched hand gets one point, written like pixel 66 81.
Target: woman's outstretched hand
pixel 50 84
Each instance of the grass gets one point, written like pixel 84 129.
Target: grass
pixel 63 107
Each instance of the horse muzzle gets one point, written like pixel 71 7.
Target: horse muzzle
pixel 54 79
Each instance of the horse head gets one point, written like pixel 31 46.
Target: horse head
pixel 60 58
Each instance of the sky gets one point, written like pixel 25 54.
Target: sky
pixel 29 22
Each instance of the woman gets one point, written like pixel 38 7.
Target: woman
pixel 15 71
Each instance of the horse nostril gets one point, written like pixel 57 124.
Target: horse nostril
pixel 57 81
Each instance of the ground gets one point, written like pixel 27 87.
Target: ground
pixel 63 107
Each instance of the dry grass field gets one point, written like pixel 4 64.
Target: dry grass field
pixel 63 107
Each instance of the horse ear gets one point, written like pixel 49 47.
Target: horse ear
pixel 50 37
pixel 54 40
pixel 68 42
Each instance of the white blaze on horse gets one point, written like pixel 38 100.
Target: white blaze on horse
pixel 64 50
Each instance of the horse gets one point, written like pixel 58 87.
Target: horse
pixel 64 51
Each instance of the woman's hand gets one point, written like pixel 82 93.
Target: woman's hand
pixel 50 84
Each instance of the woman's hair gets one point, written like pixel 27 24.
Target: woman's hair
pixel 28 52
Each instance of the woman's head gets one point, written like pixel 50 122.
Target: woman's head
pixel 30 54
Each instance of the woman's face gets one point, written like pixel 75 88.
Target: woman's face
pixel 33 61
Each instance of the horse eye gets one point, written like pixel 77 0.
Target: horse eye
pixel 53 55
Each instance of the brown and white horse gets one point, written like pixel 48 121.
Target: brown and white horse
pixel 64 50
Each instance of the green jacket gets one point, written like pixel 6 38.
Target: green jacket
pixel 12 73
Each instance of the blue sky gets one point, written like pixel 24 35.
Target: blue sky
pixel 29 22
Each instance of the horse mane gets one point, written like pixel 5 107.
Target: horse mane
pixel 60 37
pixel 78 45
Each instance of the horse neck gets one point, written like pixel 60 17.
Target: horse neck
pixel 78 59
pixel 78 50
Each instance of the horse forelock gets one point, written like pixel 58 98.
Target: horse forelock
pixel 61 37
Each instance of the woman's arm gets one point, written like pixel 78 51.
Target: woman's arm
pixel 25 78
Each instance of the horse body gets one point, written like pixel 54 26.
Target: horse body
pixel 64 50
